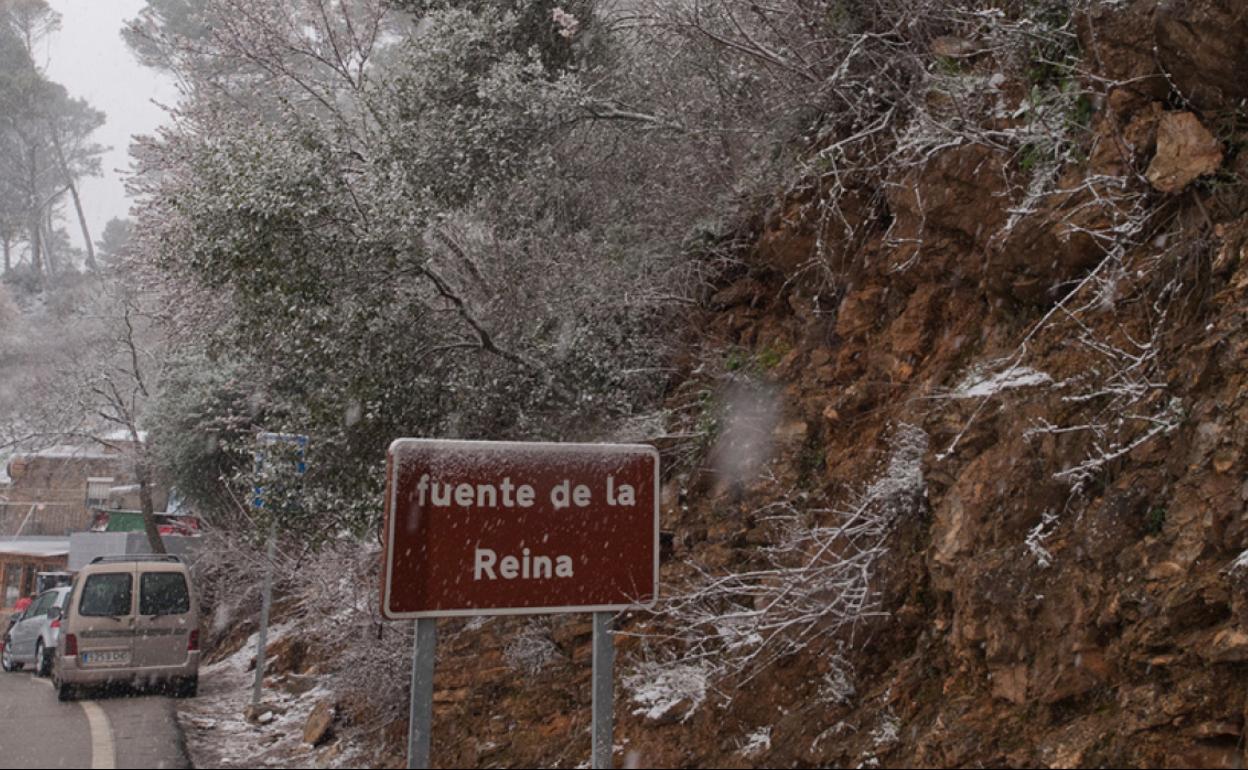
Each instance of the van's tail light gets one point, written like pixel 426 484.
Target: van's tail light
pixel 192 642
pixel 55 624
pixel 71 646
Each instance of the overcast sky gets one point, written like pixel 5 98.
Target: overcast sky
pixel 89 58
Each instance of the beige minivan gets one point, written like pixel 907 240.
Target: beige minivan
pixel 130 620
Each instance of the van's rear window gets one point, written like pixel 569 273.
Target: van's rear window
pixel 163 593
pixel 106 594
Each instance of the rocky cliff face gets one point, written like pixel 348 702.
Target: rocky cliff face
pixel 1069 594
pixel 1066 590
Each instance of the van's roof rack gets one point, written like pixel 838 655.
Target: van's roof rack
pixel 137 557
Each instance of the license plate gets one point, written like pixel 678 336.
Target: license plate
pixel 106 658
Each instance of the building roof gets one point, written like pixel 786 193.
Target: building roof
pixel 89 451
pixel 71 451
pixel 123 436
pixel 33 546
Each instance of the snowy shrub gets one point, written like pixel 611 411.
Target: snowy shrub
pixel 1037 536
pixel 887 732
pixel 818 581
pixel 660 687
pixel 1124 392
pixel 531 649
pixel 837 686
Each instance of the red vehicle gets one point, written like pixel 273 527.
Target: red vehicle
pixel 19 608
pixel 132 521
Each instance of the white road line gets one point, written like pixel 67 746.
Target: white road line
pixel 103 752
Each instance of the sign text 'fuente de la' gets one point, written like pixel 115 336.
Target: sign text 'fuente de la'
pixel 484 528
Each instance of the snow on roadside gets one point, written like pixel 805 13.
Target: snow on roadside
pixel 218 734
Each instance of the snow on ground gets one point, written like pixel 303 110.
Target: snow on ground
pixel 757 742
pixel 1239 567
pixel 657 688
pixel 218 734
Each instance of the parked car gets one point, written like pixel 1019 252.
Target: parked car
pixel 32 639
pixel 130 620
pixel 46 581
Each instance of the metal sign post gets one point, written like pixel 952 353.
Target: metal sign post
pixel 604 692
pixel 420 717
pixel 266 603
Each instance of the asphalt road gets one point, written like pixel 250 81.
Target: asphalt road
pixel 119 731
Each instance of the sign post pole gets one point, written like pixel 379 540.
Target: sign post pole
pixel 420 719
pixel 266 603
pixel 604 692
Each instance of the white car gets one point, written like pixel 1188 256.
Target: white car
pixel 32 639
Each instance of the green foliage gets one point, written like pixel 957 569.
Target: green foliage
pixel 477 236
pixel 772 354
pixel 1054 50
pixel 115 240
pixel 1155 520
pixel 386 326
pixel 810 461
pixel 462 141
pixel 950 66
pixel 1083 112
pixel 756 362
pixel 709 422
pixel 182 20
pixel 1031 156
pixel 200 431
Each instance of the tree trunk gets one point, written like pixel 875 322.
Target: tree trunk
pixel 36 249
pixel 36 253
pixel 50 257
pixel 144 474
pixel 73 191
pixel 82 221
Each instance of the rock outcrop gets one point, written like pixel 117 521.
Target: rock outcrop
pixel 1186 151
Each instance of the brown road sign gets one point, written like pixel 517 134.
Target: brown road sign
pixel 492 528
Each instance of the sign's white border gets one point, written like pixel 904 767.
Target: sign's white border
pixel 388 567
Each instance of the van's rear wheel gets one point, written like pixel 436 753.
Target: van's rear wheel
pixel 65 691
pixel 187 688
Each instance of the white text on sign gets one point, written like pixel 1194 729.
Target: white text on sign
pixel 507 494
pixel 526 567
